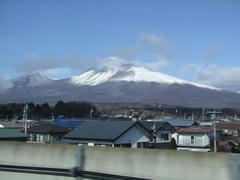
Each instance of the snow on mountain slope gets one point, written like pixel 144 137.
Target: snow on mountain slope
pixel 31 80
pixel 128 73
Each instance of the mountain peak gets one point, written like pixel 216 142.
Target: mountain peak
pixel 33 79
pixel 129 73
pixel 126 67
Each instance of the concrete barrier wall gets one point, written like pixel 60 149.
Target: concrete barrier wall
pixel 46 155
pixel 163 164
pixel 148 163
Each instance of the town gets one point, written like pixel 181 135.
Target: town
pixel 159 128
pixel 119 90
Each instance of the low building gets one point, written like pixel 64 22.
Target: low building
pixel 228 129
pixel 194 138
pixel 46 133
pixel 162 133
pixel 110 133
pixel 11 134
pixel 226 146
pixel 178 123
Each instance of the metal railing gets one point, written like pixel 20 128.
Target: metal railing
pixel 74 172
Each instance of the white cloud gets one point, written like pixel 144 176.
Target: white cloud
pixel 5 84
pixel 156 49
pixel 56 73
pixel 222 77
pixel 190 68
pixel 214 50
pixel 157 45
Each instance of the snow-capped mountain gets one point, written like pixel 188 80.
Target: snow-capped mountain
pixel 31 80
pixel 127 84
pixel 128 72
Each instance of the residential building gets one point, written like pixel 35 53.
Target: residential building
pixel 178 123
pixel 110 133
pixel 161 131
pixel 194 138
pixel 228 129
pixel 46 133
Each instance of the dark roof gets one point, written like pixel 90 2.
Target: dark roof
pixel 11 134
pixel 47 129
pixel 149 125
pixel 100 130
pixel 180 123
pixel 228 125
pixel 68 123
pixel 201 130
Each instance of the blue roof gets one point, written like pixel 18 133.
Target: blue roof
pixel 66 123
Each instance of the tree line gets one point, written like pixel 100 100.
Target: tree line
pixel 46 111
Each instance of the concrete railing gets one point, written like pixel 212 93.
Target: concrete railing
pixel 145 163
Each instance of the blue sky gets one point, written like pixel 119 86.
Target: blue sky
pixel 194 40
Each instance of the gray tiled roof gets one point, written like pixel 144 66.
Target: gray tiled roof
pixel 178 123
pixel 11 133
pixel 100 130
pixel 47 129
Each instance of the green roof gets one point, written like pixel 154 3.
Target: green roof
pixel 11 133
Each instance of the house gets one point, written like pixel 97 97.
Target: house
pixel 225 146
pixel 228 129
pixel 110 133
pixel 11 134
pixel 178 123
pixel 194 138
pixel 161 131
pixel 46 133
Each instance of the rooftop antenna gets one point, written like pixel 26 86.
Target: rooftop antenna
pixel 154 132
pixel 203 116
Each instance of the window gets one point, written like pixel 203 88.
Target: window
pixel 192 139
pixel 165 136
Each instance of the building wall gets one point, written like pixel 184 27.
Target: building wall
pixel 133 136
pixel 160 138
pixel 41 138
pixel 192 139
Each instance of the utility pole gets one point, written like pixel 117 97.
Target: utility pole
pixel 214 126
pixel 203 115
pixel 25 118
pixel 192 116
pixel 91 112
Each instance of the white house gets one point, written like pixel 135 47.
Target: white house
pixel 194 138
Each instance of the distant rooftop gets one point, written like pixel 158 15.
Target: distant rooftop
pixel 177 122
pixel 228 125
pixel 197 129
pixel 47 129
pixel 10 133
pixel 68 123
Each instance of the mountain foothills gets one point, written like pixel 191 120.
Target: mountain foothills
pixel 127 84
